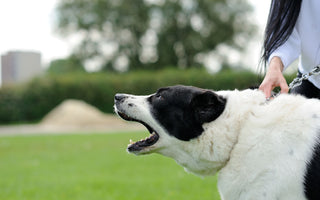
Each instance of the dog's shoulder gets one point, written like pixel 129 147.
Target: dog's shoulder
pixel 242 101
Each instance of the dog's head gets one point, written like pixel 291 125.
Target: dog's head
pixel 172 113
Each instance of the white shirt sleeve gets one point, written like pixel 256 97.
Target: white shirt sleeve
pixel 288 51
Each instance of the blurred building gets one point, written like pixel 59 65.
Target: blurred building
pixel 20 66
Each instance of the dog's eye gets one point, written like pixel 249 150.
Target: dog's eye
pixel 159 97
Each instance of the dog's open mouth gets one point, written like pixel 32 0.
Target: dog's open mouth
pixel 142 144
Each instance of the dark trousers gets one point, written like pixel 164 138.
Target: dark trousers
pixel 306 89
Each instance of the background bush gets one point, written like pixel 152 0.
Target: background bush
pixel 31 101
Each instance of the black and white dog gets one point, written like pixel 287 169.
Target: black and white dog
pixel 262 150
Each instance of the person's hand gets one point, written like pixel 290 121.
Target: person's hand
pixel 274 78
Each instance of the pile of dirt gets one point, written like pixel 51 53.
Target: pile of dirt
pixel 76 113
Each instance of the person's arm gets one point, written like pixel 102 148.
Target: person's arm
pixel 288 51
pixel 279 60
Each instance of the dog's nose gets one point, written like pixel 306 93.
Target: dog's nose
pixel 119 97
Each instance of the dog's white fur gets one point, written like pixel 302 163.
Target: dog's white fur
pixel 260 148
pixel 269 145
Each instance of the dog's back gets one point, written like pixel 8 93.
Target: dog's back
pixel 277 155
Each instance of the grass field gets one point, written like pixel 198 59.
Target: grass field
pixel 92 167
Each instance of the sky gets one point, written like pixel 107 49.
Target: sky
pixel 29 25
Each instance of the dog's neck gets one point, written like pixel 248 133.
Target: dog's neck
pixel 211 151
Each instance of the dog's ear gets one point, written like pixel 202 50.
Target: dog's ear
pixel 207 106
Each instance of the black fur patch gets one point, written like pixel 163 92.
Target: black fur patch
pixel 312 177
pixel 182 110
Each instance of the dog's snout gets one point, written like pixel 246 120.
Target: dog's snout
pixel 119 97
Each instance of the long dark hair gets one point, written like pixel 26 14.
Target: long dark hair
pixel 282 18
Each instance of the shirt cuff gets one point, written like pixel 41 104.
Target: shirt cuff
pixel 289 51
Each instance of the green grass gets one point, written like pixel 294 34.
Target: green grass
pixel 93 166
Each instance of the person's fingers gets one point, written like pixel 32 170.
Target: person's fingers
pixel 266 88
pixel 284 87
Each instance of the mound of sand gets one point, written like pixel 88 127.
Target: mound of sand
pixel 76 113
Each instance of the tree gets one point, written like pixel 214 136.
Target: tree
pixel 67 65
pixel 115 34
